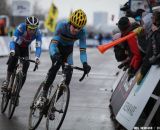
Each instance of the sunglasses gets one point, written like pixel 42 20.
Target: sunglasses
pixel 32 27
pixel 76 27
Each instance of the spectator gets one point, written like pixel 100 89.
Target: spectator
pixel 90 35
pixel 128 52
pixel 2 27
pixel 153 50
pixel 100 38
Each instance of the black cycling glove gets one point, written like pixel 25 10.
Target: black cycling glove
pixel 86 68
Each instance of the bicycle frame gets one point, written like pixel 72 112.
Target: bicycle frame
pixel 15 84
pixel 63 77
pixel 62 82
pixel 18 70
pixel 59 91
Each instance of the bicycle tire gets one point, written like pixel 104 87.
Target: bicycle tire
pixel 65 109
pixel 15 95
pixel 33 127
pixel 5 101
pixel 6 96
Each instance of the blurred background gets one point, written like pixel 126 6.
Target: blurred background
pixel 102 15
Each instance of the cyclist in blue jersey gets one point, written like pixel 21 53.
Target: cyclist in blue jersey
pixel 24 34
pixel 61 47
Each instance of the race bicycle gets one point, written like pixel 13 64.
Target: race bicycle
pixel 55 108
pixel 11 95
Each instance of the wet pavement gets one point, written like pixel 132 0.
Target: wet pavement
pixel 88 108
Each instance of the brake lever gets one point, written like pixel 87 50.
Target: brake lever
pixel 83 76
pixel 35 67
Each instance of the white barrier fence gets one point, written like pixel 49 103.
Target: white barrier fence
pixel 4 44
pixel 4 48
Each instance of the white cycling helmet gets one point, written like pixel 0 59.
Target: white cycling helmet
pixel 32 22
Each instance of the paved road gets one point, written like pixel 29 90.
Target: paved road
pixel 88 108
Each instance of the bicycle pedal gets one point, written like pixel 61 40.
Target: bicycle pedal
pixel 40 103
pixel 4 90
pixel 45 114
pixel 51 116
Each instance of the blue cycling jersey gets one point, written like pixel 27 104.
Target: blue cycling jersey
pixel 23 39
pixel 65 38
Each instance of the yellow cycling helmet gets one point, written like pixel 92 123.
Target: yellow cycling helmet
pixel 78 18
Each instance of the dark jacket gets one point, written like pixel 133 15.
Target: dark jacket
pixel 131 47
pixel 153 52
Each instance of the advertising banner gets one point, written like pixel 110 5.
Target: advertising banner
pixel 21 8
pixel 121 92
pixel 133 106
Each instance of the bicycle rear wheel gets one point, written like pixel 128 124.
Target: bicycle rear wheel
pixel 35 115
pixel 14 95
pixel 58 108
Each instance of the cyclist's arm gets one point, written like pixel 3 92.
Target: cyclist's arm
pixel 38 44
pixel 16 37
pixel 82 47
pixel 54 42
pixel 53 47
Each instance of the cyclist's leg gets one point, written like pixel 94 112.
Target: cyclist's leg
pixel 12 61
pixel 65 53
pixel 6 81
pixel 68 57
pixel 25 54
pixel 56 64
pixel 68 70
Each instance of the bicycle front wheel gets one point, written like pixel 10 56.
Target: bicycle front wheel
pixel 35 115
pixel 6 96
pixel 58 108
pixel 14 95
pixel 5 100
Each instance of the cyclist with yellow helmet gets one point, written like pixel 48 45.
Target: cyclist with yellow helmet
pixel 61 47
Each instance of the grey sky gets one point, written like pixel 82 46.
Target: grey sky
pixel 89 6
